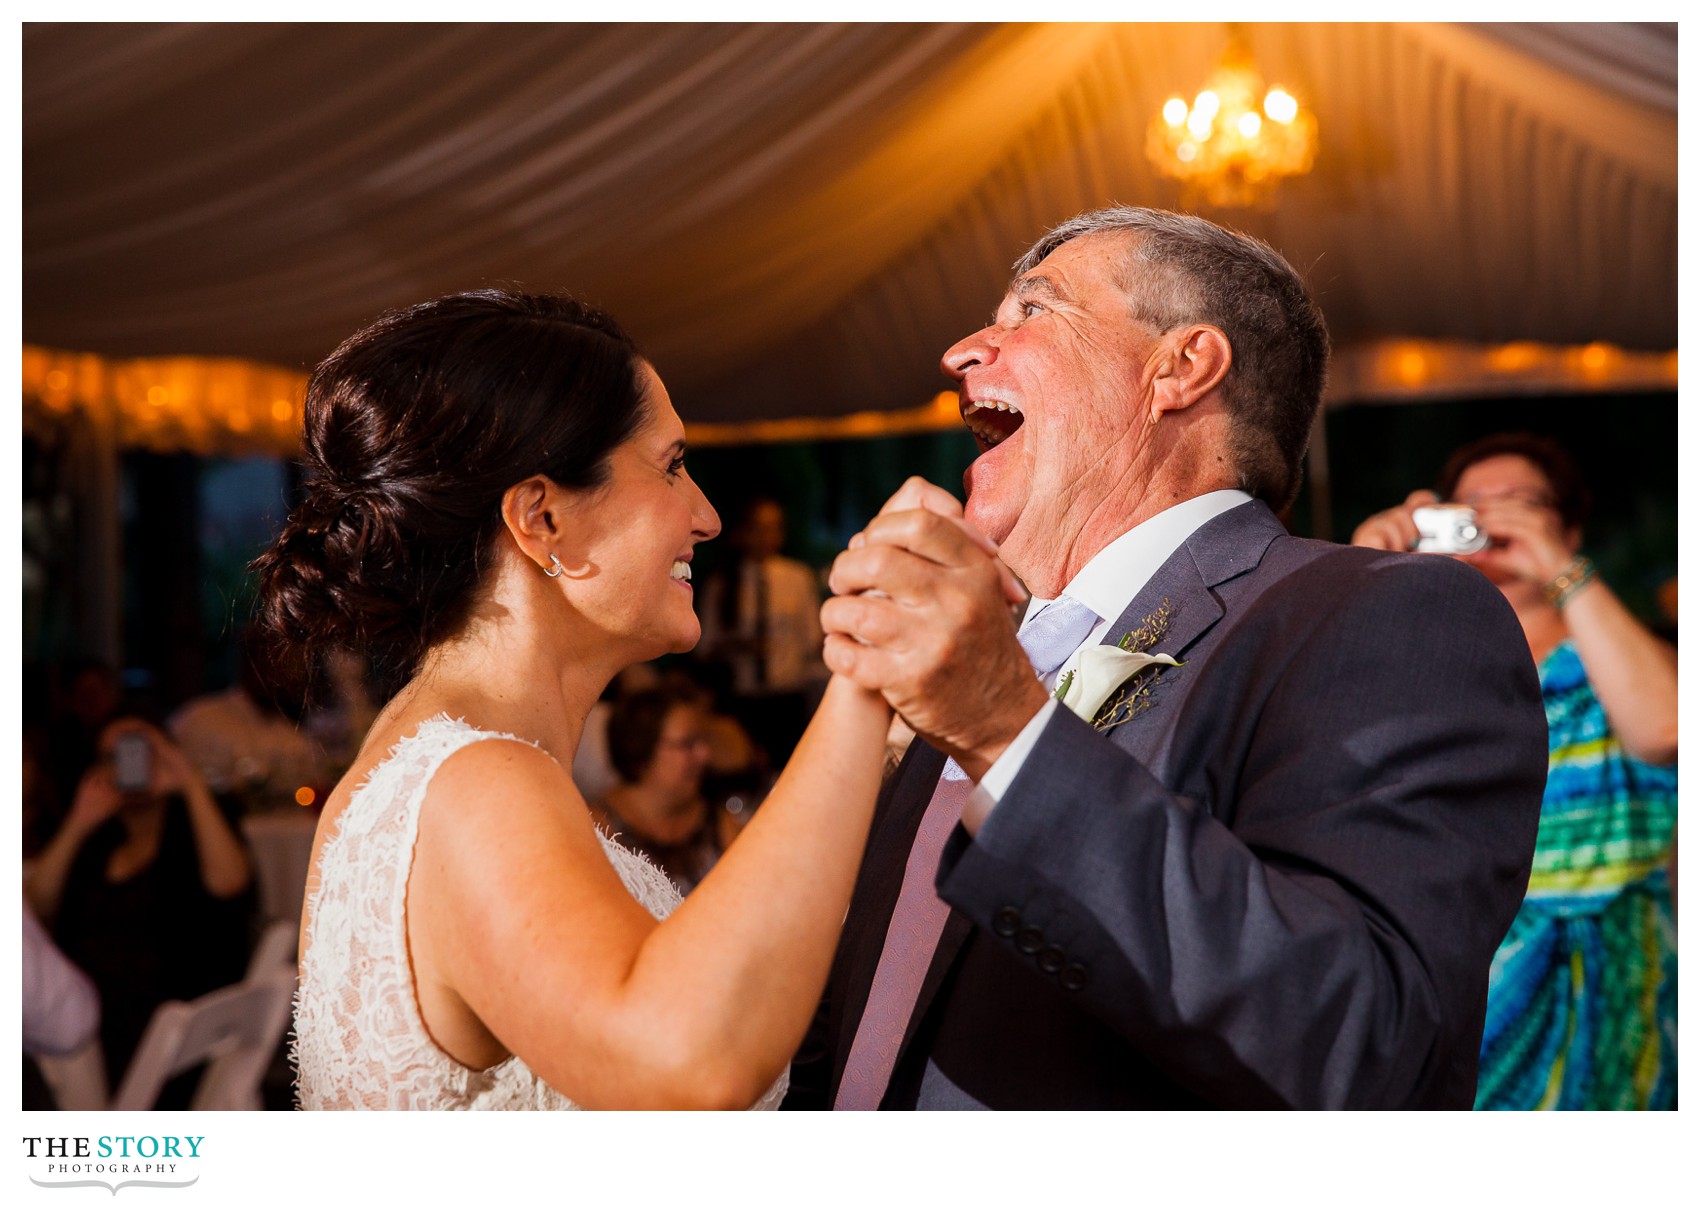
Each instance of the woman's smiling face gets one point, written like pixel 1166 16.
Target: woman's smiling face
pixel 630 570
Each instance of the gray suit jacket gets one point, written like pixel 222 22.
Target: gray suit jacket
pixel 1278 883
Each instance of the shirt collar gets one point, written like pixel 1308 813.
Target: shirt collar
pixel 1114 577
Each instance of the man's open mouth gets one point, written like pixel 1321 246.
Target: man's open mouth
pixel 990 421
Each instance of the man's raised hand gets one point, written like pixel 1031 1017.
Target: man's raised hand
pixel 921 613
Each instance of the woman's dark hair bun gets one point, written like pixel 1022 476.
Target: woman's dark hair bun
pixel 415 427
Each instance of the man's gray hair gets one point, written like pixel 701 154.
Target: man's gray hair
pixel 1181 269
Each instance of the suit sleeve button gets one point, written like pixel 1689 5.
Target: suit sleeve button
pixel 1029 939
pixel 1006 921
pixel 1073 978
pixel 1051 960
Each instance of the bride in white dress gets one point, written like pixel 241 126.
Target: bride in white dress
pixel 498 515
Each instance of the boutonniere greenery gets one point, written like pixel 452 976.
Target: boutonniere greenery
pixel 1112 683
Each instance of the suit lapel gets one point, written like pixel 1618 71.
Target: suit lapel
pixel 1228 545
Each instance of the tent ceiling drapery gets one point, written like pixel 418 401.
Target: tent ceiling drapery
pixel 798 219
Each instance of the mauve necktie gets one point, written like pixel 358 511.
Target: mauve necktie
pixel 1050 638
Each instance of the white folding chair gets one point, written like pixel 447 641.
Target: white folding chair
pixel 275 950
pixel 235 1029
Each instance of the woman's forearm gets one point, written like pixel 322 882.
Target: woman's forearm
pixel 222 859
pixel 754 943
pixel 44 887
pixel 1631 670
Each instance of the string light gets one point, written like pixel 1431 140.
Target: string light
pixel 221 407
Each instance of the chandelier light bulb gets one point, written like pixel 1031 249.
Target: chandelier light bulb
pixel 1206 105
pixel 1174 112
pixel 1250 124
pixel 1280 105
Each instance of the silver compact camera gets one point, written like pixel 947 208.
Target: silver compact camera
pixel 1448 529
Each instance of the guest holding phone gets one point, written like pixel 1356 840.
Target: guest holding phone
pixel 146 885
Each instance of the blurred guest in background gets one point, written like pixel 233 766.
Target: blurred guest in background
pixel 145 885
pixel 1582 1000
pixel 248 740
pixel 338 722
pixel 41 815
pixel 91 699
pixel 659 742
pixel 593 768
pixel 761 620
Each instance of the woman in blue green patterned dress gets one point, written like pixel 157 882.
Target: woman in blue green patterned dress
pixel 1582 996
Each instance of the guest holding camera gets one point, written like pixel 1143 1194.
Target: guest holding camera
pixel 1582 996
pixel 145 884
pixel 248 741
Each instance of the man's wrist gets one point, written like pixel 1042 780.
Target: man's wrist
pixel 992 786
pixel 1020 712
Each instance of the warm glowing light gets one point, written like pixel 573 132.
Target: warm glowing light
pixel 281 410
pixel 1280 105
pixel 156 396
pixel 1518 355
pixel 58 380
pixel 239 421
pixel 1411 367
pixel 1223 149
pixel 305 797
pixel 1597 357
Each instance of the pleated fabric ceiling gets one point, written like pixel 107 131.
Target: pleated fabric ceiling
pixel 798 219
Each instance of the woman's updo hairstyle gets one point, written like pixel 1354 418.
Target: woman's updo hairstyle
pixel 414 429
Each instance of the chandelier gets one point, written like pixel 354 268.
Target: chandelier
pixel 1236 139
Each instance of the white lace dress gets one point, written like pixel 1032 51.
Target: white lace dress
pixel 359 1039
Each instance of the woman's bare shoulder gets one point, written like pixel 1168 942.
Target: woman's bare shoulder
pixel 502 780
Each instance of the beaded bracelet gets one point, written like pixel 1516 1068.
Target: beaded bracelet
pixel 1569 581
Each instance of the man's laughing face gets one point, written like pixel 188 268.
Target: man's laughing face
pixel 1055 391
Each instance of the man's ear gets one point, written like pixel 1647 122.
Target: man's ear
pixel 531 510
pixel 1195 360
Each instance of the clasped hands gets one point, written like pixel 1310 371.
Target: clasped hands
pixel 921 613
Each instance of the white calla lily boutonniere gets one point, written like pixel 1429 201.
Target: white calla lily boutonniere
pixel 1103 670
pixel 1112 682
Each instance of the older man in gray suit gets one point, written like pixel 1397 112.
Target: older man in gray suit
pixel 1271 866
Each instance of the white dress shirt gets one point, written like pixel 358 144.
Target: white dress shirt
pixel 1110 580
